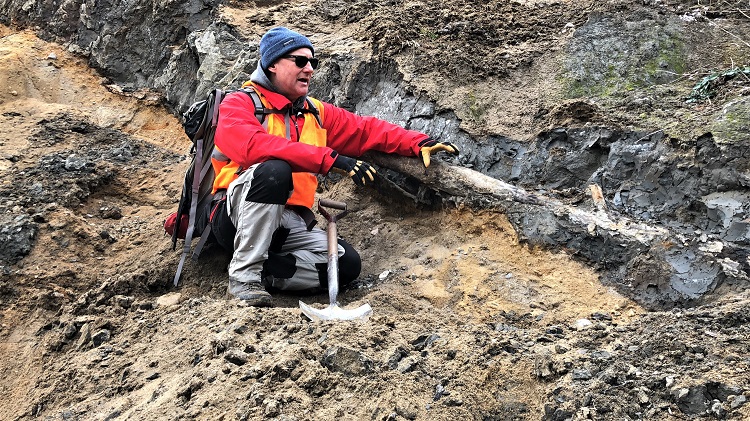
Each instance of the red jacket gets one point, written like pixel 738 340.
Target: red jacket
pixel 243 140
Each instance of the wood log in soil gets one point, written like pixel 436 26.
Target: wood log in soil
pixel 634 255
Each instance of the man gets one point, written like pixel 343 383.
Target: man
pixel 267 171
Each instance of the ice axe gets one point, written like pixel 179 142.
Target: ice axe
pixel 333 311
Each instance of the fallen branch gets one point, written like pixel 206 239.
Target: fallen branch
pixel 469 186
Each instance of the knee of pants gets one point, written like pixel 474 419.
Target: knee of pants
pixel 272 183
pixel 350 264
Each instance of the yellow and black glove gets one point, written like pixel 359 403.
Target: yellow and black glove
pixel 430 146
pixel 359 171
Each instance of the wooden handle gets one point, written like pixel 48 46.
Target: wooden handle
pixel 332 204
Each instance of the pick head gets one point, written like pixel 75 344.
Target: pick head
pixel 334 312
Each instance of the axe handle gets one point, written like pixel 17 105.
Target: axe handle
pixel 332 204
pixel 333 263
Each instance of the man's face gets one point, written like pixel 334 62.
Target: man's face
pixel 290 80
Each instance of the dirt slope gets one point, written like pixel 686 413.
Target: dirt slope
pixel 467 324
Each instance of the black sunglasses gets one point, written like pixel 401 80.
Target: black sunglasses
pixel 301 61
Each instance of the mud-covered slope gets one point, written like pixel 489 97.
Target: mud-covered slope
pixel 482 310
pixel 549 96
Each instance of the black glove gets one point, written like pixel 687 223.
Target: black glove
pixel 430 146
pixel 358 170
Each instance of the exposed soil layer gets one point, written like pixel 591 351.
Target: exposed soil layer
pixel 469 322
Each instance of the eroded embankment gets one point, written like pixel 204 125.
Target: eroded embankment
pixel 468 322
pixel 689 195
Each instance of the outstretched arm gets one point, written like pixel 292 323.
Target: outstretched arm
pixel 353 135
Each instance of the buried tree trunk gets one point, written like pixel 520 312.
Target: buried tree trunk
pixel 649 263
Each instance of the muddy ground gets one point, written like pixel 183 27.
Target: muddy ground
pixel 468 322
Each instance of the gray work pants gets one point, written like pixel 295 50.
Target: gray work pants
pixel 261 225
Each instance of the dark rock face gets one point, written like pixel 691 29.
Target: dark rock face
pixel 697 190
pixel 17 235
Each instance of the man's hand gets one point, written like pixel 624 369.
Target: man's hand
pixel 430 146
pixel 358 170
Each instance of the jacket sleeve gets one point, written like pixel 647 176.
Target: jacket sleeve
pixel 353 135
pixel 242 139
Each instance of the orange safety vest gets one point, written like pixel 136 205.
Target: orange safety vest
pixel 305 183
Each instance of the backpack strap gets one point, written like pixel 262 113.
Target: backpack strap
pixel 312 109
pixel 260 110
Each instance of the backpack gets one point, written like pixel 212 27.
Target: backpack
pixel 194 211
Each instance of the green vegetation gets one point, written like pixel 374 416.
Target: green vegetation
pixel 709 85
pixel 427 33
pixel 666 66
pixel 475 107
pixel 622 66
pixel 733 123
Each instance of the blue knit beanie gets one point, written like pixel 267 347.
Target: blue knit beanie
pixel 280 41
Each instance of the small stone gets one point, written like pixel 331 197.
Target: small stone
pixel 52 56
pixel 236 356
pixel 633 372
pixel 453 401
pixel 384 275
pixel 123 301
pixel 144 305
pixel 253 373
pixel 642 397
pixel 70 331
pixel 736 401
pixel 238 328
pixel 581 374
pixel 440 392
pixel 546 339
pixel 555 330
pixel 424 341
pixel 110 212
pixel 718 409
pixel 601 355
pixel 85 336
pixel 601 316
pixel 347 361
pixel 408 364
pixel 582 324
pixel 543 369
pixel 398 354
pixel 169 300
pixel 101 337
pixel 272 408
